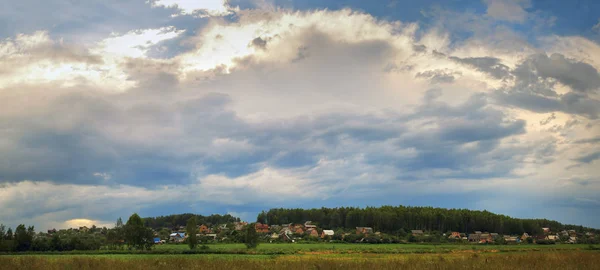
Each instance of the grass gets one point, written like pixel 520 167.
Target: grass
pixel 285 248
pixel 466 259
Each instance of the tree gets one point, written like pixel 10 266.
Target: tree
pixel 119 223
pixel 9 234
pixel 164 234
pixel 250 236
pixel 2 232
pixel 191 230
pixel 136 234
pixel 23 238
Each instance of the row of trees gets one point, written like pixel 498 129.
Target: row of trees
pixel 390 219
pixel 175 221
pixel 133 235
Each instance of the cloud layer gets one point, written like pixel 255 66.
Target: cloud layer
pixel 247 109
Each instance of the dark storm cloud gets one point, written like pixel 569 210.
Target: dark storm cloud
pixel 489 65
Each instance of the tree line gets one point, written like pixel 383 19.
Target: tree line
pixel 391 219
pixel 175 221
pixel 133 235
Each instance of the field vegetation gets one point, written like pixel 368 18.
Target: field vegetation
pixel 458 260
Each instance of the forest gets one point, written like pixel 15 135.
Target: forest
pixel 390 219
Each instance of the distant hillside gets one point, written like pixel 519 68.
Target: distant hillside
pixel 174 221
pixel 391 219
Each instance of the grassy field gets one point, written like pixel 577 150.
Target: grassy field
pixel 466 259
pixel 374 248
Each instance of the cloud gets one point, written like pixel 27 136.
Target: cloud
pixel 250 110
pixel 578 75
pixel 508 10
pixel 489 65
pixel 198 8
pixel 438 76
pixel 589 157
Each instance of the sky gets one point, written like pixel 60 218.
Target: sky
pixel 110 107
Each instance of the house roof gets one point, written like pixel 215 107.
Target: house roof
pixel 474 236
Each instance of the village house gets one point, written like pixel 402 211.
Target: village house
pixel 238 226
pixel 553 237
pixel 261 228
pixel 312 232
pixel 364 230
pixel 474 237
pixel 486 238
pixel 275 228
pixel 572 240
pixel 309 225
pixel 511 239
pixel 203 229
pixel 326 233
pixel 454 235
pixel 298 230
pixel 286 235
pixel 417 232
pixel 524 237
pixel 177 237
pixel 546 230
pixel 538 238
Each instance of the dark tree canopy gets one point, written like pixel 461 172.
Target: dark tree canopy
pixel 191 231
pixel 393 219
pixel 250 236
pixel 136 234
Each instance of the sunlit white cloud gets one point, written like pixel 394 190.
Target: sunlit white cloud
pixel 204 7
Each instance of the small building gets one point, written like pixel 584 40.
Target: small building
pixel 455 235
pixel 177 237
pixel 283 235
pixel 485 238
pixel 312 232
pixel 546 230
pixel 203 229
pixel 524 237
pixel 474 237
pixel 417 232
pixel 572 240
pixel 238 226
pixel 364 230
pixel 261 228
pixel 326 233
pixel 511 239
pixel 540 238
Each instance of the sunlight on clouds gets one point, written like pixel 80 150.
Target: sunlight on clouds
pixel 222 44
pixel 211 7
pixel 80 222
pixel 135 43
